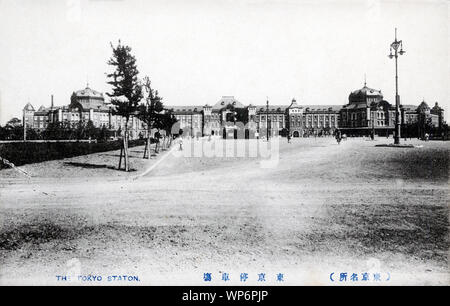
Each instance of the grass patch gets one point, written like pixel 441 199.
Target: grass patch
pixel 21 153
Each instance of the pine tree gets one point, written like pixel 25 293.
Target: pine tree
pixel 126 88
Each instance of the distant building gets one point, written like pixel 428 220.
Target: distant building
pixel 85 105
pixel 366 113
pixel 306 120
pixel 417 119
pixel 220 118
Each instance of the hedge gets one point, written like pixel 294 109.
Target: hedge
pixel 20 153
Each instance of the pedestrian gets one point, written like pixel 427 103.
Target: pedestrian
pixel 157 138
pixel 338 137
pixel 181 143
pixel 289 137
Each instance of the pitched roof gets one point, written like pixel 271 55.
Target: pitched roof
pixel 272 108
pixel 408 107
pixel 186 109
pixel 319 107
pixel 228 100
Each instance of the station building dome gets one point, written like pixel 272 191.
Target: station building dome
pixel 89 93
pixel 365 94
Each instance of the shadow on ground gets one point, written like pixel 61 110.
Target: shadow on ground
pixel 89 166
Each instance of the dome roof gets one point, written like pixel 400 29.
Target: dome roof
pixel 88 92
pixel 293 103
pixel 29 107
pixel 360 95
pixel 423 106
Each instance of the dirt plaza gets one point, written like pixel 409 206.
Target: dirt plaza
pixel 321 208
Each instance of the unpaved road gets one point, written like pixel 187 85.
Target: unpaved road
pixel 321 208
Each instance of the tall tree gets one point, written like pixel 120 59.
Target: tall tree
pixel 126 88
pixel 150 111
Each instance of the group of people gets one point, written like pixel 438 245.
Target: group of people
pixel 338 136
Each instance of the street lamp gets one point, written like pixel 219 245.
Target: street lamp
pixel 267 119
pixel 396 45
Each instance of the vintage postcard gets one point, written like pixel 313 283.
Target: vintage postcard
pixel 224 143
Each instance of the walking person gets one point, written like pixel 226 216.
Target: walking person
pixel 157 138
pixel 181 143
pixel 338 137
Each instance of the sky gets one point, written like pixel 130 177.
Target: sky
pixel 197 51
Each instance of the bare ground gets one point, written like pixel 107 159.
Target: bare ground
pixel 322 208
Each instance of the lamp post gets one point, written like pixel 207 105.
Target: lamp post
pixel 24 127
pixel 267 119
pixel 395 45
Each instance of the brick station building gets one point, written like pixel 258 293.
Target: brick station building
pixel 85 105
pixel 366 112
pixel 223 117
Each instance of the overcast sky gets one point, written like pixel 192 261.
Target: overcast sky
pixel 197 51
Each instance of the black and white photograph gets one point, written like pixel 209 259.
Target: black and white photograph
pixel 253 143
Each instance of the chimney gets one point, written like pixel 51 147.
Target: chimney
pixel 52 103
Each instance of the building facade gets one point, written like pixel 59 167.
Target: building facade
pixel 228 115
pixel 366 113
pixel 85 105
